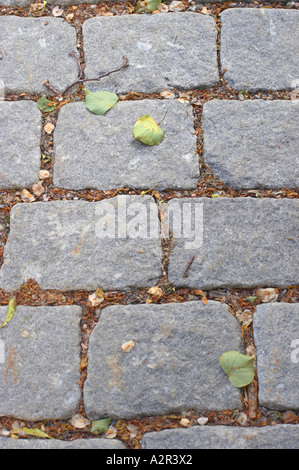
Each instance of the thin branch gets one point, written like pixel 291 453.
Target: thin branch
pixel 52 89
pixel 77 59
pixel 78 82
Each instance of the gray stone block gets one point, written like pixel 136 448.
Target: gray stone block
pixel 173 366
pixel 7 443
pixel 282 436
pixel 236 242
pixel 259 48
pixel 100 152
pixel 40 370
pixel 276 337
pixel 164 51
pixel 252 144
pixel 20 124
pixel 35 50
pixel 71 245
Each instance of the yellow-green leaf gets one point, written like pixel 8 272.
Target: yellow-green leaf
pixel 11 311
pixel 238 367
pixel 37 433
pixel 99 102
pixel 100 426
pixel 147 131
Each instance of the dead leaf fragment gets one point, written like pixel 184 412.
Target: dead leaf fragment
pixel 267 295
pixel 176 6
pixel 57 11
pixel 163 8
pixel 43 174
pixel 111 433
pixel 38 189
pixel 26 196
pixel 128 346
pixel 49 128
pixel 95 300
pixel 186 422
pixel 79 422
pixel 155 292
pixel 69 17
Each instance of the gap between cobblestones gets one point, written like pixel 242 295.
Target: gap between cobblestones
pixel 209 186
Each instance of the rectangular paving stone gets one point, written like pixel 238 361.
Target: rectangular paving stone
pixel 164 51
pixel 235 242
pixel 276 337
pixel 71 245
pixel 20 124
pixel 40 371
pixel 100 152
pixel 173 366
pixel 252 144
pixel 101 443
pixel 281 436
pixel 259 48
pixel 34 50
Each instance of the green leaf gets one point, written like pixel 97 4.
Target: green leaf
pixel 100 426
pixel 99 102
pixel 147 131
pixel 251 299
pixel 151 5
pixel 43 105
pixel 37 433
pixel 238 367
pixel 11 311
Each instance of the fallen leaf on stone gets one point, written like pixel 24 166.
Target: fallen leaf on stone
pixel 238 367
pixel 133 430
pixel 267 295
pixel 99 102
pixel 10 312
pixel 57 11
pixel 251 298
pixel 37 433
pixel 79 422
pixel 45 105
pixel 100 426
pixel 203 296
pixel 128 346
pixel 147 131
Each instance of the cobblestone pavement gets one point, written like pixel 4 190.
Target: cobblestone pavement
pixel 131 268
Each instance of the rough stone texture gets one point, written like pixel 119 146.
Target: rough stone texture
pixel 61 245
pixel 164 51
pixel 275 327
pixel 100 152
pixel 245 243
pixel 19 144
pixel 34 51
pixel 7 443
pixel 259 48
pixel 40 373
pixel 173 366
pixel 252 144
pixel 281 436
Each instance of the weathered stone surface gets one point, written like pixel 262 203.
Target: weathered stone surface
pixel 259 48
pixel 34 50
pixel 239 242
pixel 7 443
pixel 71 245
pixel 282 436
pixel 164 51
pixel 100 152
pixel 19 144
pixel 252 144
pixel 40 371
pixel 276 337
pixel 173 366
